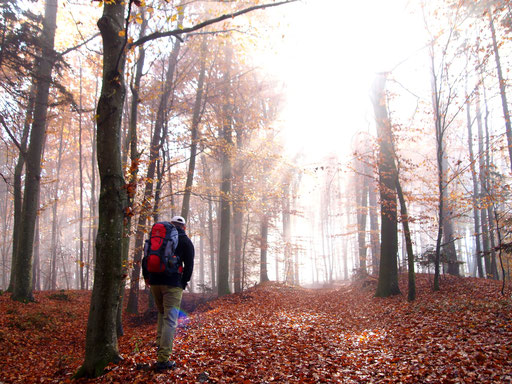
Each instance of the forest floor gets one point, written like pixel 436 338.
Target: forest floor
pixel 278 333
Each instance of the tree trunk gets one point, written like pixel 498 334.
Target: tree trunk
pixel 147 206
pixel 489 252
pixel 362 213
pixel 388 270
pixel 80 166
pixel 101 346
pixel 23 281
pixel 263 249
pixel 55 220
pixel 196 118
pixel 502 83
pixel 17 184
pixel 225 189
pixel 411 291
pixel 476 208
pixel 36 267
pixel 134 153
pixel 374 226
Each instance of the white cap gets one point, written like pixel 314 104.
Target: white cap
pixel 178 219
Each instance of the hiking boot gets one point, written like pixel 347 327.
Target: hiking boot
pixel 163 365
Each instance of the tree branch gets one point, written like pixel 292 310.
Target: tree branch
pixel 178 32
pixel 79 45
pixel 11 135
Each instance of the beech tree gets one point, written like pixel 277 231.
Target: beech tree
pixel 388 269
pixel 101 338
pixel 23 280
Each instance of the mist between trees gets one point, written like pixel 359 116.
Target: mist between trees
pixel 164 112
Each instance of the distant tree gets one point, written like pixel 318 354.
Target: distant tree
pixel 23 280
pixel 226 177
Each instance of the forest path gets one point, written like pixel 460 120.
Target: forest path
pixel 277 333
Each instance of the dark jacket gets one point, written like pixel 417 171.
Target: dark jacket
pixel 185 251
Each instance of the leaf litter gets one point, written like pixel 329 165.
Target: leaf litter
pixel 277 333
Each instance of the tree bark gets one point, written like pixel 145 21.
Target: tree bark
pixel 101 345
pixel 388 270
pixel 17 184
pixel 23 281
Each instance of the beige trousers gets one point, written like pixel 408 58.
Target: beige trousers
pixel 168 301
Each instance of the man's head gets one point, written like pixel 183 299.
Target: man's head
pixel 179 221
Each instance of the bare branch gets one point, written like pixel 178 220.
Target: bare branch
pixel 11 134
pixel 177 32
pixel 79 45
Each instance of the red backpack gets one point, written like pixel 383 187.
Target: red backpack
pixel 159 250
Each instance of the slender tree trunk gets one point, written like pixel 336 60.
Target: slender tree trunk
pixel 502 83
pixel 263 249
pixel 476 209
pixel 101 346
pixel 147 206
pixel 225 204
pixel 80 166
pixel 55 220
pixel 388 270
pixel 134 153
pixel 374 227
pixel 23 280
pixel 411 292
pixel 489 252
pixel 36 268
pixel 196 118
pixel 17 184
pixel 362 213
pixel 238 220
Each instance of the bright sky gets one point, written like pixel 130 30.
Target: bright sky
pixel 328 57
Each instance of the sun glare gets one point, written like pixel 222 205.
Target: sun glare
pixel 327 54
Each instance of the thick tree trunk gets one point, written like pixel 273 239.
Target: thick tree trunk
pixel 101 346
pixel 196 118
pixel 23 281
pixel 388 270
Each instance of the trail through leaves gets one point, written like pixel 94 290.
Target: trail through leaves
pixel 276 333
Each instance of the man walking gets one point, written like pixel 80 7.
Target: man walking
pixel 167 291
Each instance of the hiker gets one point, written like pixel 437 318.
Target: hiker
pixel 167 287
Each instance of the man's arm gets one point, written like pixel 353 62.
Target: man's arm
pixel 188 262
